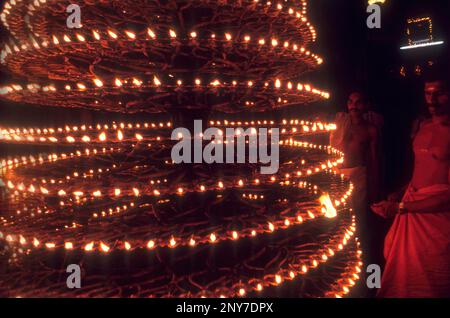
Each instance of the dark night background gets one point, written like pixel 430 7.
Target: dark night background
pixel 354 55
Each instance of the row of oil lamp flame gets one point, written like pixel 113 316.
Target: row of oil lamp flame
pixel 322 256
pixel 14 163
pixel 193 36
pixel 327 210
pixel 118 192
pixel 180 190
pixel 301 16
pixel 292 270
pixel 156 83
pixel 37 3
pixel 343 287
pixel 288 275
pixel 220 186
pixel 161 125
pixel 28 134
pixel 95 173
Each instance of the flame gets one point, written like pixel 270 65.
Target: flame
pixel 278 279
pixel 98 82
pixel 68 245
pixel 105 248
pixel 156 81
pixel 151 33
pixel 89 247
pixel 50 245
pixel 102 136
pixel 328 208
pixel 131 35
pixel 118 82
pixel 96 35
pixel 137 82
pixel 112 34
pixel 150 244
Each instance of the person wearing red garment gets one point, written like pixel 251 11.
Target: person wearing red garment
pixel 417 247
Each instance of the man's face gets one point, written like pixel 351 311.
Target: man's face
pixel 356 103
pixel 437 98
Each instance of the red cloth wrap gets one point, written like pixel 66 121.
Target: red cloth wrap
pixel 417 252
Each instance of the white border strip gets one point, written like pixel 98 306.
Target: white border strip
pixel 416 46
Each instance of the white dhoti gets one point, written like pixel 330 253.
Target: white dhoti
pixel 358 177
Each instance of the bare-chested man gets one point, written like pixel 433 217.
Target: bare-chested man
pixel 357 135
pixel 360 135
pixel 417 247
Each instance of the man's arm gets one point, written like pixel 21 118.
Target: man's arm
pixel 434 204
pixel 437 203
pixel 398 195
